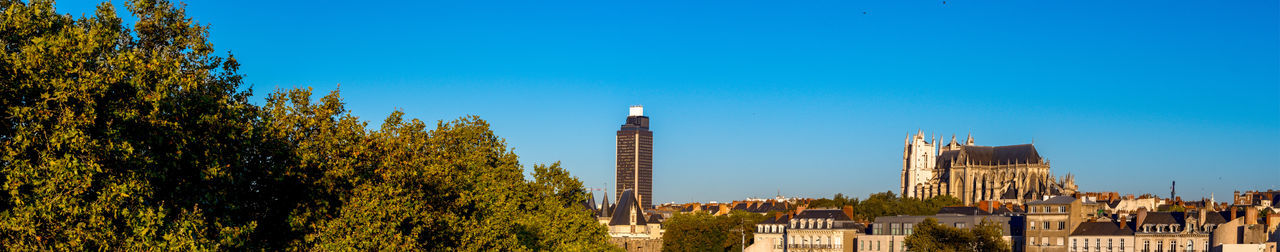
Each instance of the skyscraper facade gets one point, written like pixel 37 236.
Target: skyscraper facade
pixel 635 158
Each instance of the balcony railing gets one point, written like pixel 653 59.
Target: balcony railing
pixel 809 246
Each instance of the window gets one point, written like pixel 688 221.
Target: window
pixel 1046 225
pixel 877 245
pixel 1173 245
pixel 1060 241
pixel 890 245
pixel 1109 245
pixel 960 225
pixel 1062 209
pixel 1044 241
pixel 1073 245
pixel 1159 246
pixel 1146 246
pixel 1206 245
pixel 1121 245
pixel 906 227
pixel 1031 225
pixel 1086 244
pixel 896 228
pixel 1191 246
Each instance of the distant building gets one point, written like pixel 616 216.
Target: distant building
pixel 807 230
pixel 1051 221
pixel 1102 236
pixel 888 233
pixel 635 157
pixel 1014 173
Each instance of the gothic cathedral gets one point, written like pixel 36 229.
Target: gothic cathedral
pixel 971 173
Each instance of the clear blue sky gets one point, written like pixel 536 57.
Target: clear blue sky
pixel 807 97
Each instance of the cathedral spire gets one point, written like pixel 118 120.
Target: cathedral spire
pixel 969 140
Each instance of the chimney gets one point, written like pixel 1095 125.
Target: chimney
pixel 1204 213
pixel 1233 213
pixel 1273 223
pixel 1250 216
pixel 848 211
pixel 800 209
pixel 1142 217
pixel 1124 221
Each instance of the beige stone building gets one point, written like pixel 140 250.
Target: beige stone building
pixel 1051 221
pixel 1174 231
pixel 808 230
pixel 888 233
pixel 1101 236
pixel 972 173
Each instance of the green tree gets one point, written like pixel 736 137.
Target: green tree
pixel 695 232
pixel 704 232
pixel 143 139
pixel 889 204
pixel 118 138
pixel 928 235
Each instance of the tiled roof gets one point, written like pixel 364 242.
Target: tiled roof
pixel 1022 153
pixel 776 220
pixel 1214 218
pixel 622 211
pixel 962 211
pixel 1170 218
pixel 835 214
pixel 1058 200
pixel 656 218
pixel 1102 229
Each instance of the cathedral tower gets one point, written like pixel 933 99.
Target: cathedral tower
pixel 919 159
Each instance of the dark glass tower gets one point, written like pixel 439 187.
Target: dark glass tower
pixel 635 158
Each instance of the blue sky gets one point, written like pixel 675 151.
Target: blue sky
pixel 807 97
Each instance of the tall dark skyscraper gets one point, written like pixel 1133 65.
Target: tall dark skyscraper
pixel 635 158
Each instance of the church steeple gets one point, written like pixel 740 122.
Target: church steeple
pixel 969 140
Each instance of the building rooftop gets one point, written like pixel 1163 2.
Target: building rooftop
pixel 1102 229
pixel 1056 200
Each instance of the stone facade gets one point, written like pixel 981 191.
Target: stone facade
pixel 972 173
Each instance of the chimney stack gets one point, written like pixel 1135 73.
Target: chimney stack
pixel 1142 217
pixel 1124 221
pixel 1250 216
pixel 848 211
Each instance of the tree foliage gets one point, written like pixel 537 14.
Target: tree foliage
pixel 928 235
pixel 143 139
pixel 886 204
pixel 701 231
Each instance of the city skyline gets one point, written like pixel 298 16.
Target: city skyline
pixel 810 99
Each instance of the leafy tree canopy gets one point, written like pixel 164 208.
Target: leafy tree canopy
pixel 928 235
pixel 886 204
pixel 143 139
pixel 704 232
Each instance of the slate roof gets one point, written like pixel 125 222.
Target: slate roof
pixel 590 202
pixel 656 219
pixel 966 210
pixel 1102 229
pixel 776 220
pixel 1214 218
pixel 1170 218
pixel 1057 200
pixel 622 210
pixel 836 214
pixel 1022 153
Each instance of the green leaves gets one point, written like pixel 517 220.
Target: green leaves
pixel 928 235
pixel 703 232
pixel 143 139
